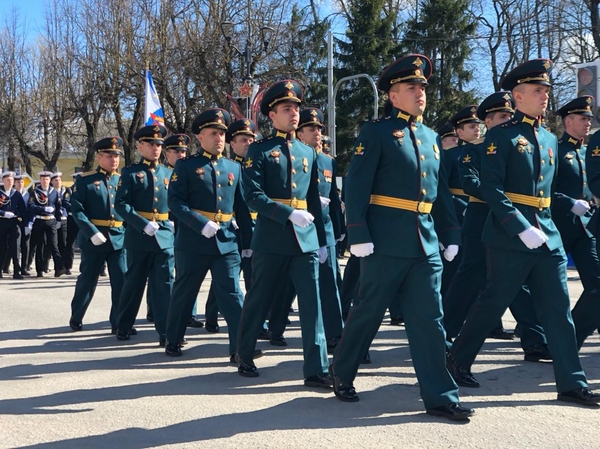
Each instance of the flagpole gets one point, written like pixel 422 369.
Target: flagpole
pixel 145 96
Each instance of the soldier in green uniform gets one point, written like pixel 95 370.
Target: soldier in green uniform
pixel 280 183
pixel 101 231
pixel 142 202
pixel 448 136
pixel 398 204
pixel 240 135
pixel 572 213
pixel 309 132
pixel 523 244
pixel 205 192
pixel 470 278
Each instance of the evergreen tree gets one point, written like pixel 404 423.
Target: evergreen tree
pixel 368 47
pixel 441 31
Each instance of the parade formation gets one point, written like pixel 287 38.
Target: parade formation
pixel 446 229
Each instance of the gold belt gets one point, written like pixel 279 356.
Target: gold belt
pixel 527 200
pixel 294 202
pixel 45 217
pixel 107 223
pixel 399 203
pixel 473 199
pixel 215 216
pixel 154 216
pixel 254 215
pixel 459 192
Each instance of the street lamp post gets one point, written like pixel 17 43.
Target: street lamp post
pixel 265 32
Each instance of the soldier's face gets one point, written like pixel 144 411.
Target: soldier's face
pixel 45 182
pixel 468 132
pixel 240 143
pixel 56 182
pixel 449 141
pixel 19 184
pixel 212 140
pixel 285 116
pixel 149 150
pixel 532 99
pixel 108 161
pixel 8 182
pixel 409 97
pixel 311 135
pixel 577 125
pixel 173 155
pixel 496 118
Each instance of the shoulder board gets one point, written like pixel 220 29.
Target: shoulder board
pixel 88 173
pixel 478 141
pixel 509 123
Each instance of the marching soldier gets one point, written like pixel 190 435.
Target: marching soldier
pixel 44 207
pixel 394 185
pixel 101 231
pixel 309 132
pixel 280 183
pixel 448 136
pixel 61 225
pixel 141 200
pixel 12 212
pixel 205 192
pixel 25 231
pixel 572 214
pixel 524 246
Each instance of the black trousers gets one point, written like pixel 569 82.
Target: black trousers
pixel 45 229
pixel 10 241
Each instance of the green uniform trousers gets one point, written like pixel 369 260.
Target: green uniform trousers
pixel 417 282
pixel 90 268
pixel 267 271
pixel 156 268
pixel 191 271
pixel 545 273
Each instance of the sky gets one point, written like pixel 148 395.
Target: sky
pixel 30 10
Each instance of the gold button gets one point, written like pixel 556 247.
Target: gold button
pixel 541 178
pixel 112 216
pixel 112 205
pixel 583 171
pixel 585 183
pixel 293 158
pixel 220 198
pixel 543 162
pixel 218 172
pixel 422 157
pixel 293 171
pixel 111 195
pixel 418 141
pixel 155 178
pixel 110 187
pixel 541 192
pixel 293 185
pixel 156 188
pixel 424 175
pixel 318 180
pixel 218 186
pixel 424 192
pixel 155 199
pixel 155 210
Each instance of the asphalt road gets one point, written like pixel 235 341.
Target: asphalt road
pixel 60 389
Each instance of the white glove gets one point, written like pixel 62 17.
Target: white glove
pixel 324 202
pixel 362 249
pixel 98 239
pixel 580 207
pixel 172 224
pixel 342 237
pixel 234 223
pixel 322 252
pixel 450 252
pixel 58 224
pixel 246 253
pixel 151 228
pixel 9 214
pixel 533 238
pixel 49 209
pixel 301 218
pixel 28 230
pixel 210 229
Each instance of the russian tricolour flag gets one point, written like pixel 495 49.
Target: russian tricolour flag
pixel 154 113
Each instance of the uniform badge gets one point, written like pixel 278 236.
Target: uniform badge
pixel 522 145
pixel 305 163
pixel 166 182
pixel 491 149
pixel 359 150
pixel 569 157
pixel 249 163
pixel 398 134
pixel 97 184
pixel 596 152
pixel 551 154
pixel 436 152
pixel 328 175
pixel 466 159
pixel 200 172
pixel 230 177
pixel 140 175
pixel 174 177
pixel 275 155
